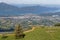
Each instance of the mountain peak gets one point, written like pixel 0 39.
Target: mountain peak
pixel 2 3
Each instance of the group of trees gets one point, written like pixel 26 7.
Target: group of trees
pixel 57 24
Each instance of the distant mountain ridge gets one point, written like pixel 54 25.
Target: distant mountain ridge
pixel 37 9
pixel 7 9
pixel 50 14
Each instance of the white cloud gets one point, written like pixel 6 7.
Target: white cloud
pixel 0 1
pixel 32 1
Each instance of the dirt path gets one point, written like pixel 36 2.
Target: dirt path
pixel 30 30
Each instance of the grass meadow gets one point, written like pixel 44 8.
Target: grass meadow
pixel 47 33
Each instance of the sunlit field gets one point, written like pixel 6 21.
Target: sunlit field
pixel 39 33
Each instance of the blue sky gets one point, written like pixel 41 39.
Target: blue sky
pixel 55 2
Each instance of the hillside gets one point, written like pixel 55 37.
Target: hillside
pixel 50 33
pixel 43 34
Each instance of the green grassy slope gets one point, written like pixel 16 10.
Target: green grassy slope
pixel 39 34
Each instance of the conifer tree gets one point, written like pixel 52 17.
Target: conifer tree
pixel 19 31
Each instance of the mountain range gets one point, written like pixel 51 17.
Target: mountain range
pixel 8 9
